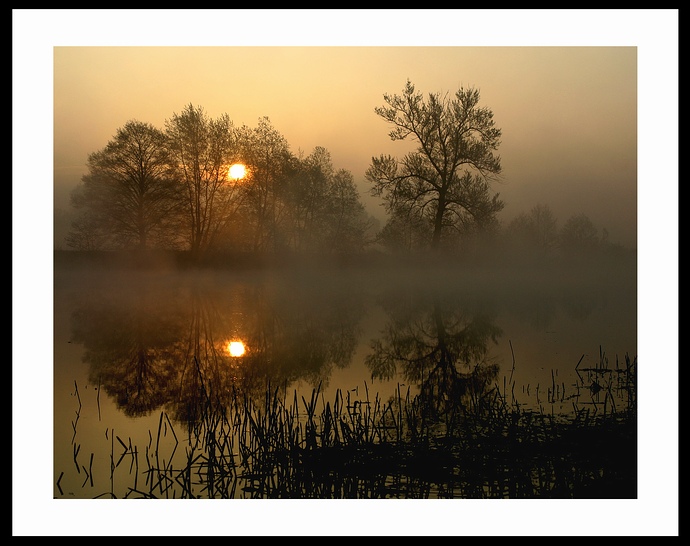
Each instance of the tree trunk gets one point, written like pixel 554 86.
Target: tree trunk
pixel 438 223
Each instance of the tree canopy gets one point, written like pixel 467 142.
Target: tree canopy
pixel 446 182
pixel 129 196
pixel 173 189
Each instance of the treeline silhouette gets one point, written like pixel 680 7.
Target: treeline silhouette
pixel 173 190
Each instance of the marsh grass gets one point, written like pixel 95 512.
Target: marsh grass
pixel 483 444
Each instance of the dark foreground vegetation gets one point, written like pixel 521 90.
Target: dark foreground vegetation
pixel 469 440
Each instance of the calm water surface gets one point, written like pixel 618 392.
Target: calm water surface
pixel 134 346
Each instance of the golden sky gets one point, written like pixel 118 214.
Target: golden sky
pixel 587 101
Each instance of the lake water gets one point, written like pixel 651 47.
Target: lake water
pixel 135 350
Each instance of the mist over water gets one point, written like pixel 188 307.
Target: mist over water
pixel 311 325
pixel 138 340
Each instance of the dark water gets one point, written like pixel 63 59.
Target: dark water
pixel 135 351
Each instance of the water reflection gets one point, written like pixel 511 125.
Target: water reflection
pixel 132 346
pixel 180 346
pixel 438 342
pixel 200 350
pixel 178 342
pixel 236 348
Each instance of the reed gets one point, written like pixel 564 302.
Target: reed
pixel 481 444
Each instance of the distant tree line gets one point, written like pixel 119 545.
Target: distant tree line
pixel 538 235
pixel 173 188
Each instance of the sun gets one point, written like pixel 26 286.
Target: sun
pixel 236 348
pixel 237 171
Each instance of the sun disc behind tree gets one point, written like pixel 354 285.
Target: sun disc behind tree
pixel 237 171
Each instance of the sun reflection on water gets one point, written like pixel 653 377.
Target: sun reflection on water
pixel 236 348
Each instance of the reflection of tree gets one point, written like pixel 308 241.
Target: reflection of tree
pixel 300 331
pixel 534 307
pixel 130 347
pixel 158 345
pixel 439 346
pixel 538 301
pixel 205 368
pixel 580 305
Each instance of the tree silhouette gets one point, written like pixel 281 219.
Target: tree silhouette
pixel 324 212
pixel 446 180
pixel 440 345
pixel 173 190
pixel 579 234
pixel 534 234
pixel 202 150
pixel 267 155
pixel 129 196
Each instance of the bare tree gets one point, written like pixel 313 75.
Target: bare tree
pixel 446 180
pixel 536 232
pixel 88 230
pixel 267 155
pixel 579 234
pixel 347 221
pixel 129 194
pixel 202 151
pixel 324 211
pixel 306 192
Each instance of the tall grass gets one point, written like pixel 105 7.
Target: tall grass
pixel 481 444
